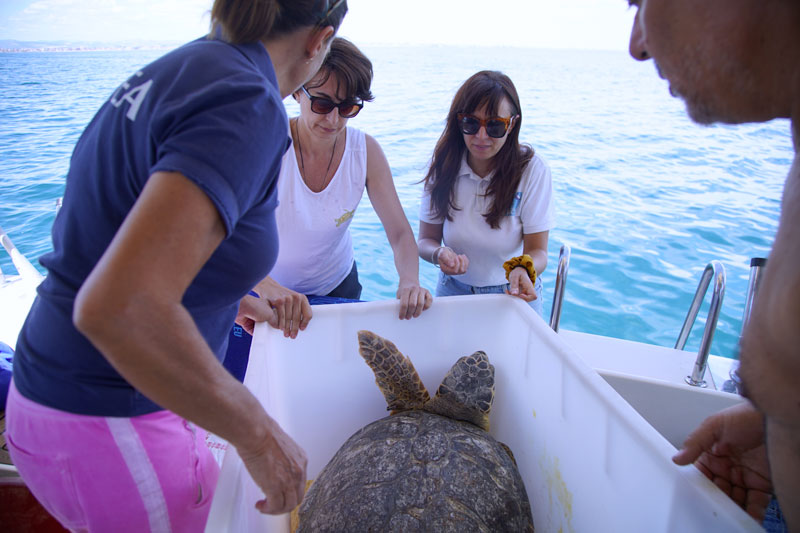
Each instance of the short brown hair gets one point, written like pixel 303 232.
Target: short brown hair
pixel 250 21
pixel 350 67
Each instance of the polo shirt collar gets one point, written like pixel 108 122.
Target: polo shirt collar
pixel 466 171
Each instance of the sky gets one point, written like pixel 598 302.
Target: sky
pixel 575 24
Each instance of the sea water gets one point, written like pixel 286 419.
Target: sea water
pixel 644 197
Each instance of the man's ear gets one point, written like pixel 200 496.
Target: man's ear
pixel 318 41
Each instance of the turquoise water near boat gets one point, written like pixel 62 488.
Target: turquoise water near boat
pixel 645 198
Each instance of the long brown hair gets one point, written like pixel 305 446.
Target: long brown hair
pixel 484 89
pixel 250 21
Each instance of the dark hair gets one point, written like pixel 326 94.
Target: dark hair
pixel 249 21
pixel 350 68
pixel 483 89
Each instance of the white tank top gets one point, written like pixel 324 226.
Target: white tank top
pixel 316 251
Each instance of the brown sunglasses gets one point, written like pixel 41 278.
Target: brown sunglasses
pixel 322 106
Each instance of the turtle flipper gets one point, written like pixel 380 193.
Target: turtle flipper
pixel 394 373
pixel 467 391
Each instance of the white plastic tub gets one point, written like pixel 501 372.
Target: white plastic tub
pixel 590 462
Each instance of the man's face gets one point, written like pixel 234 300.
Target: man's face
pixel 704 49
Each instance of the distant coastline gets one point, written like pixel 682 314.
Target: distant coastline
pixel 12 46
pixel 8 46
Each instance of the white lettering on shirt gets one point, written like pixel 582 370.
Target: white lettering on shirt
pixel 134 96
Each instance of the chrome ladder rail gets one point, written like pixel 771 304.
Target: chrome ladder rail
pixel 734 384
pixel 714 271
pixel 561 284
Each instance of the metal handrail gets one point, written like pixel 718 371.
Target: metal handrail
pixel 716 271
pixel 561 284
pixel 756 265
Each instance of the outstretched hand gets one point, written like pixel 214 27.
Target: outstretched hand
pixel 729 448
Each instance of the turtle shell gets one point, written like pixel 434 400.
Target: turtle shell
pixel 418 471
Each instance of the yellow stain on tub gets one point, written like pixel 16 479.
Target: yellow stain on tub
pixel 558 487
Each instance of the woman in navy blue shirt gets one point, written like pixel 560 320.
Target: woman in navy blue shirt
pixel 119 357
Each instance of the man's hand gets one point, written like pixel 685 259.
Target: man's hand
pixel 729 448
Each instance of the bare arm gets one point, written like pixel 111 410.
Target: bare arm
pixel 430 238
pixel 380 187
pixel 535 245
pixel 130 309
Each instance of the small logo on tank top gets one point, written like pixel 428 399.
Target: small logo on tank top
pixel 345 217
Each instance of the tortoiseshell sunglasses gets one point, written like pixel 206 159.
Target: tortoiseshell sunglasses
pixel 495 126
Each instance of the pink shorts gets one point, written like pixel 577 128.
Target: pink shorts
pixel 146 473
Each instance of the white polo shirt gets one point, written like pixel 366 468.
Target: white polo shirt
pixel 469 233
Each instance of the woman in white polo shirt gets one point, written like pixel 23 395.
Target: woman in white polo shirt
pixel 487 205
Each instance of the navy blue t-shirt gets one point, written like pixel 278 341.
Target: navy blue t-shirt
pixel 209 110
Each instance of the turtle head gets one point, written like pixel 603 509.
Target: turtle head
pixel 467 391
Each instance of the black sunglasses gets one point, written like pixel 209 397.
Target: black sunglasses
pixel 495 126
pixel 323 106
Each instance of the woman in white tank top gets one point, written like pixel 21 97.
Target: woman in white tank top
pixel 322 180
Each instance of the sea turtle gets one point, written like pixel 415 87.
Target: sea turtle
pixel 429 466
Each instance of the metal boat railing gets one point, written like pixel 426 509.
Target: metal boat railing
pixel 756 266
pixel 561 284
pixel 715 272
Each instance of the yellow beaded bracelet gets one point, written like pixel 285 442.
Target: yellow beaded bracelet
pixel 524 261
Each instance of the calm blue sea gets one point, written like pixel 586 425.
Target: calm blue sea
pixel 645 199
